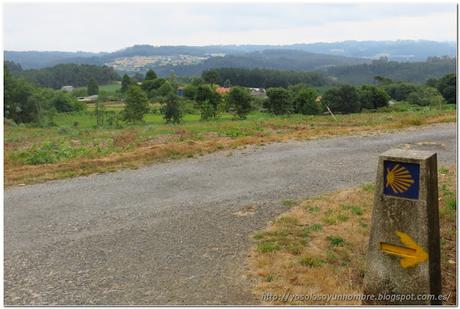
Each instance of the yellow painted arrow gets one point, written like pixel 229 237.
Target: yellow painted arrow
pixel 411 255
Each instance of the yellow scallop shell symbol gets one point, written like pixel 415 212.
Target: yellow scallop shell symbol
pixel 399 179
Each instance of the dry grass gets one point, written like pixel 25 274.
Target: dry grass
pixel 136 150
pixel 319 246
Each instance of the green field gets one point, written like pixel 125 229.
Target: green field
pixel 108 89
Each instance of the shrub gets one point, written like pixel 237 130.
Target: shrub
pixel 399 91
pixel 239 101
pixel 372 97
pixel 425 96
pixel 344 99
pixel 64 103
pixel 136 104
pixel 172 109
pixel 305 102
pixel 279 101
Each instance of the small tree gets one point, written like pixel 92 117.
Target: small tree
pixel 172 109
pixel 279 101
pixel 137 104
pixel 207 110
pixel 166 89
pixel 305 102
pixel 125 83
pixel 239 100
pixel 150 75
pixel 93 87
pixel 372 97
pixel 344 99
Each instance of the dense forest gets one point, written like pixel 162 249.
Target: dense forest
pixel 418 72
pixel 64 74
pixel 263 78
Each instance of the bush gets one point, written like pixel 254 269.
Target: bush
pixel 207 110
pixel 425 96
pixel 172 109
pixel 137 104
pixel 279 101
pixel 344 99
pixel 239 101
pixel 399 91
pixel 64 103
pixel 372 97
pixel 305 102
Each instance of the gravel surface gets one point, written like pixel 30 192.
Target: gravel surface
pixel 176 233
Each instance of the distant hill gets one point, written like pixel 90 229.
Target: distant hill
pixel 274 59
pixel 394 50
pixel 417 72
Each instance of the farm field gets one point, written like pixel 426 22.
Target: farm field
pixel 76 147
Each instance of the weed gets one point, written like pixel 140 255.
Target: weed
pixel 443 170
pixel 312 209
pixel 342 218
pixel 289 203
pixel 287 221
pixel 294 249
pixel 265 247
pixel 311 261
pixel 335 241
pixel 451 204
pixel 269 278
pixel 329 220
pixel 369 187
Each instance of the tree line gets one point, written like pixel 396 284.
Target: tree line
pixel 76 75
pixel 264 78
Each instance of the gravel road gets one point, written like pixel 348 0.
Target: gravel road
pixel 178 232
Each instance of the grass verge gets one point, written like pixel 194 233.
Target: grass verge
pixel 319 246
pixel 77 148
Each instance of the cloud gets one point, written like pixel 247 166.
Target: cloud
pixel 111 26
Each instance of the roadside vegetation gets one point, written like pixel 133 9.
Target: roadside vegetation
pixel 52 134
pixel 319 246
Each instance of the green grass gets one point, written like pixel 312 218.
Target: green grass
pixel 266 247
pixel 335 241
pixel 311 261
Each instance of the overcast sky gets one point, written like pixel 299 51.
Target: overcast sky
pixel 112 26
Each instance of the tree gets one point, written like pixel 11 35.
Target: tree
pixel 211 76
pixel 305 102
pixel 137 104
pixel 93 87
pixel 125 83
pixel 344 99
pixel 425 96
pixel 150 75
pixel 399 91
pixel 239 100
pixel 172 109
pixel 447 86
pixel 166 89
pixel 279 101
pixel 64 103
pixel 372 97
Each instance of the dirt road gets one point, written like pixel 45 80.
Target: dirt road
pixel 176 233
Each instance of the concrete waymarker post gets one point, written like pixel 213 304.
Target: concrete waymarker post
pixel 403 263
